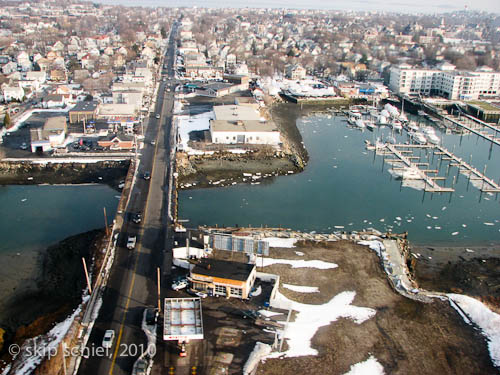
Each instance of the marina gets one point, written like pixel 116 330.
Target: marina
pixel 404 154
pixel 367 199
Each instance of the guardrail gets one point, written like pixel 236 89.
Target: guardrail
pixel 92 307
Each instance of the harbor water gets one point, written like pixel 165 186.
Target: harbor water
pixel 348 188
pixel 35 217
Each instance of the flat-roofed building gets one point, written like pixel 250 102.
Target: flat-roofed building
pixel 244 131
pixel 83 111
pixel 223 278
pixel 236 112
pixel 51 135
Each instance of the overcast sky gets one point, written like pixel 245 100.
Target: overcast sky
pixel 409 6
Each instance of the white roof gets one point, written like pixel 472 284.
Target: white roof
pixel 182 319
pixel 235 113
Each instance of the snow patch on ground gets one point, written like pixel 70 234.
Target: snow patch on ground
pixel 264 262
pixel 485 319
pixel 311 317
pixel 268 313
pixel 187 124
pixel 46 345
pixel 259 352
pixel 281 242
pixel 302 289
pixel 376 246
pixel 368 367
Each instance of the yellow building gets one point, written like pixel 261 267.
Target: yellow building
pixel 223 278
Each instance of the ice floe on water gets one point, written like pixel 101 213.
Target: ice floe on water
pixel 485 319
pixel 369 367
pixel 310 318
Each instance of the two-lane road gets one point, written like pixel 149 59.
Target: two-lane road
pixel 132 283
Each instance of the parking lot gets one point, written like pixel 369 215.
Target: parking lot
pixel 231 329
pixel 17 144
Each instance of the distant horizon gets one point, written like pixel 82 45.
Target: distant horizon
pixel 394 6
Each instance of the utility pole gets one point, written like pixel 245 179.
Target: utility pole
pixel 106 222
pixel 86 275
pixel 159 299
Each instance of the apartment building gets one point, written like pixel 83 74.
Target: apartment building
pixel 445 81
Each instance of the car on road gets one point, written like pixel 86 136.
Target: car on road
pixel 147 175
pixel 181 284
pixel 137 218
pixel 131 242
pixel 151 316
pixel 182 350
pixel 24 146
pixel 107 341
pixel 157 116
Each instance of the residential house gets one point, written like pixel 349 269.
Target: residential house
pixel 54 101
pixel 11 93
pixel 295 72
pixel 117 142
pixel 9 68
pixel 41 77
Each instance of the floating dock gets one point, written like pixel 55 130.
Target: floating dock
pixel 398 150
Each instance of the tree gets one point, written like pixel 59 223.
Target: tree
pixel 163 32
pixel 6 120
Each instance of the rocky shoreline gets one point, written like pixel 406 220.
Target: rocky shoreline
pixel 59 285
pixel 29 173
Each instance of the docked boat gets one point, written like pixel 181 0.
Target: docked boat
pixel 370 124
pixel 418 137
pixel 360 124
pixel 433 138
pixel 382 120
pixel 412 126
pixel 396 125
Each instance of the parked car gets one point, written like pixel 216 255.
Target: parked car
pixel 147 175
pixel 131 242
pixel 157 116
pixel 181 284
pixel 107 341
pixel 137 218
pixel 151 316
pixel 153 142
pixel 24 146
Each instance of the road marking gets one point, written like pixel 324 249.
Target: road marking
pixel 122 324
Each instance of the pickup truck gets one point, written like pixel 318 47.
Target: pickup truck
pixel 131 242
